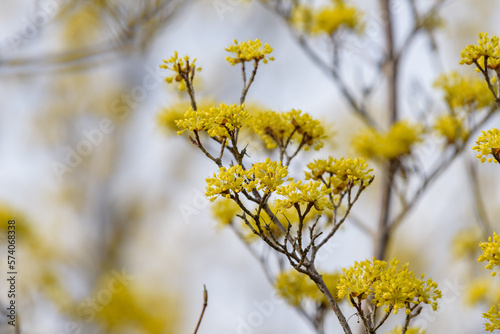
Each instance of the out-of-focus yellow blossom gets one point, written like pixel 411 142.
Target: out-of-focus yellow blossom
pixel 451 127
pixel 488 143
pixel 340 172
pixel 485 47
pixel 387 285
pixel 278 128
pixel 183 69
pixel 465 243
pixel 298 193
pixel 296 287
pixel 225 211
pixel 410 330
pixel 396 142
pixel 327 19
pixel 216 121
pixel 250 50
pixel 464 91
pixel 130 308
pixel 478 291
pixel 167 116
pixel 493 318
pixel 267 175
pixel 229 181
pixel 491 252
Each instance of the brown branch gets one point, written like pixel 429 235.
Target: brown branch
pixel 205 303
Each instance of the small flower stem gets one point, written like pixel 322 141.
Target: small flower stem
pixel 246 86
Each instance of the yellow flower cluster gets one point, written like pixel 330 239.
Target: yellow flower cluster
pixel 167 116
pixel 298 193
pixel 182 67
pixel 278 128
pixel 216 121
pixel 410 330
pixel 491 252
pixel 266 176
pixel 387 285
pixel 396 142
pixel 296 287
pixel 493 316
pixel 340 172
pixel 247 51
pixel 488 143
pixel 451 127
pixel 464 91
pixel 485 47
pixel 326 20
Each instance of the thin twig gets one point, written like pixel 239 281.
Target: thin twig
pixel 205 303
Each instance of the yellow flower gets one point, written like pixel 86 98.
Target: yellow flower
pixel 281 128
pixel 387 285
pixel 491 252
pixel 410 330
pixel 488 143
pixel 340 172
pixel 267 175
pixel 464 91
pixel 247 51
pixel 216 121
pixel 486 48
pixel 493 318
pixel 167 116
pixel 327 19
pixel 451 127
pixel 229 181
pixel 396 142
pixel 183 69
pixel 297 193
pixel 296 287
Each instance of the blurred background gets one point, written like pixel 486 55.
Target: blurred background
pixel 114 233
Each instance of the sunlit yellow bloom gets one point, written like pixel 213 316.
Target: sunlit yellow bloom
pixel 296 287
pixel 280 128
pixel 387 285
pixel 298 193
pixel 167 116
pixel 485 47
pixel 267 175
pixel 229 181
pixel 488 143
pixel 247 51
pixel 327 19
pixel 340 172
pixel 464 91
pixel 183 69
pixel 493 318
pixel 491 252
pixel 216 121
pixel 396 142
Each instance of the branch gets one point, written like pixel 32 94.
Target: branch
pixel 205 303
